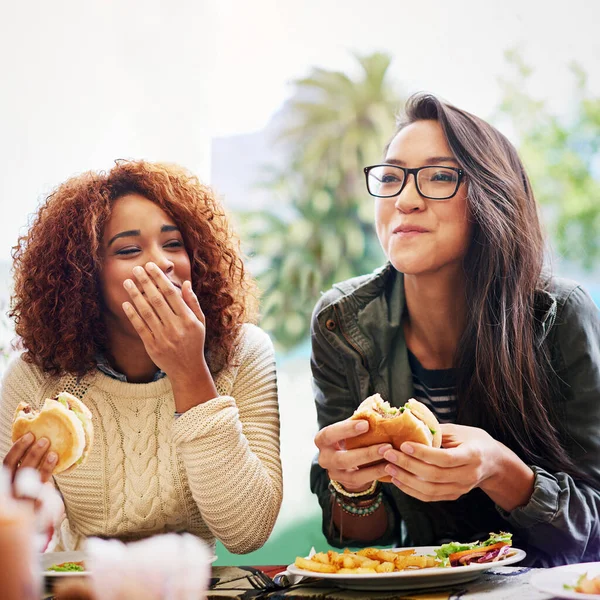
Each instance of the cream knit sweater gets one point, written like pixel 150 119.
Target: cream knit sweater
pixel 215 471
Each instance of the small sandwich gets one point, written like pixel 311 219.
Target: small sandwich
pixel 413 422
pixel 65 421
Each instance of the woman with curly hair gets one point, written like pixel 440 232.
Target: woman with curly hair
pixel 131 294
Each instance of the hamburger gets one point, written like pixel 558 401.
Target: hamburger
pixel 413 422
pixel 65 421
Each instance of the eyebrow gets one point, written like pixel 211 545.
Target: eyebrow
pixel 137 233
pixel 432 160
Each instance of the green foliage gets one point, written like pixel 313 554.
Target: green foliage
pixel 324 231
pixel 562 158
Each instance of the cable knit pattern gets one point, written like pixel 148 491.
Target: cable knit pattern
pixel 215 471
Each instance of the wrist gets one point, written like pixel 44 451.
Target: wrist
pixel 192 389
pixel 499 464
pixel 364 508
pixel 511 484
pixel 356 489
pixel 362 491
pixel 186 377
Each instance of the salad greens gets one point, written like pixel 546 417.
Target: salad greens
pixel 443 552
pixel 67 566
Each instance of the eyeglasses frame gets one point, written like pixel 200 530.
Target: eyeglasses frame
pixel 414 173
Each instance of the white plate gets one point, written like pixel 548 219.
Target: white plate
pixel 411 579
pixel 553 581
pixel 55 558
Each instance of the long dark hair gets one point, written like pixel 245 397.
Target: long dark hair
pixel 504 372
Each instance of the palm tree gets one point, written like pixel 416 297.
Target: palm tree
pixel 322 230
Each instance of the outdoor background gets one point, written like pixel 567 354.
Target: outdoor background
pixel 279 105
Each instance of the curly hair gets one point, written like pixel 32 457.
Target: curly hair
pixel 57 302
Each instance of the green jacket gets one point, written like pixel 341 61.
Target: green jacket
pixel 358 348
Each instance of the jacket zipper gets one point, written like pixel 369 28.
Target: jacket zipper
pixel 350 342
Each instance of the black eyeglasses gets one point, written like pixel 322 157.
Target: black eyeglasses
pixel 432 182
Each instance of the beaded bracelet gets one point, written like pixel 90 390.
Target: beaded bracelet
pixel 337 488
pixel 361 511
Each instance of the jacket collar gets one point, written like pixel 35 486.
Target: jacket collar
pixel 386 276
pixel 370 313
pixel 370 317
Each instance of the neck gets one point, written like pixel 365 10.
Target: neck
pixel 436 316
pixel 128 356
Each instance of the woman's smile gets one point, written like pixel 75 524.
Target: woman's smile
pixel 407 231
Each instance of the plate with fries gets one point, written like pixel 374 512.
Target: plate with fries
pixel 394 569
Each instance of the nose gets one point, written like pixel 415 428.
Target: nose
pixel 161 259
pixel 409 200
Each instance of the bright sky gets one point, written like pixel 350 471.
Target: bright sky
pixel 84 83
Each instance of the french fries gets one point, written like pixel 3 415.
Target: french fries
pixel 365 561
pixel 313 565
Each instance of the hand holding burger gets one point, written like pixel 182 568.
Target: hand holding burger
pixel 470 458
pixel 63 432
pixel 413 422
pixel 352 450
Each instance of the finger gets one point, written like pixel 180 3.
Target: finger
pixel 441 457
pixel 17 451
pixel 358 457
pixel 153 295
pixel 47 466
pixel 142 306
pixel 36 453
pixel 171 293
pixel 192 301
pixel 138 323
pixel 423 470
pixel 360 477
pixel 422 490
pixel 333 434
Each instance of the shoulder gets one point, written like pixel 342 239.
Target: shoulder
pixel 573 302
pixel 29 374
pixel 252 342
pixel 23 381
pixel 363 285
pixel 576 328
pixel 250 366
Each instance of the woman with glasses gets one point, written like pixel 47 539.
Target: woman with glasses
pixel 130 293
pixel 464 318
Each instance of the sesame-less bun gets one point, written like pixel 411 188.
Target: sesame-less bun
pixel 65 421
pixel 413 422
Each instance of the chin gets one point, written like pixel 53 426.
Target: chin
pixel 410 264
pixel 424 266
pixel 411 269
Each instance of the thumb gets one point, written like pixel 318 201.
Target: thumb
pixel 192 301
